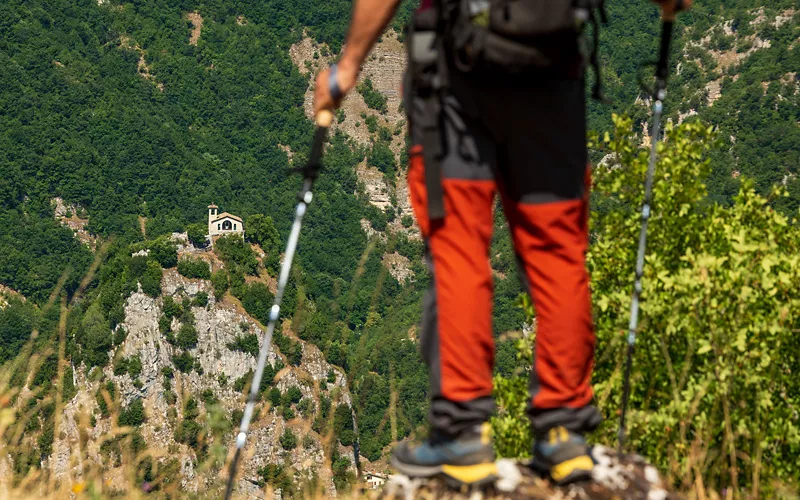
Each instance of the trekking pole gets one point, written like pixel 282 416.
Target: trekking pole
pixel 310 173
pixel 659 93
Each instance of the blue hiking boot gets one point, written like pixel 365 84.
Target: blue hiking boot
pixel 562 455
pixel 467 459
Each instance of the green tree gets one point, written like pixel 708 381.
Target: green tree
pixel 343 425
pixel 261 230
pixel 183 361
pixel 288 439
pixel 293 394
pixel 237 254
pixel 151 279
pixel 171 308
pixel 219 280
pixel 187 336
pixel 372 97
pixel 247 343
pixel 94 336
pixel 194 268
pixel 17 320
pixel 164 252
pixel 197 234
pixel 382 158
pixel 201 299
pixel 133 415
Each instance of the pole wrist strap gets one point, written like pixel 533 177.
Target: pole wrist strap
pixel 333 83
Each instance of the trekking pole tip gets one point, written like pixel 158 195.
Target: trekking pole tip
pixel 324 118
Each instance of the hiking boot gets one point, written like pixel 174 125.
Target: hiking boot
pixel 467 459
pixel 562 455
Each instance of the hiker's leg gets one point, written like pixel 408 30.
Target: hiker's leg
pixel 551 241
pixel 545 195
pixel 456 337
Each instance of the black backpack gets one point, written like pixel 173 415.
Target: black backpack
pixel 519 36
pixel 492 37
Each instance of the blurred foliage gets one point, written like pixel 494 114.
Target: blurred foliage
pixel 714 396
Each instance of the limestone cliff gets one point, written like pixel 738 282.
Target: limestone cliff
pixel 216 368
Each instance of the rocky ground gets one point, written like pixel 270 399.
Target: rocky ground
pixel 615 477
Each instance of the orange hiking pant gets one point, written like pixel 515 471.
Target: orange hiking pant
pixel 527 143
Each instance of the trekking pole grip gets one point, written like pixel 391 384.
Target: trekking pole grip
pixel 310 172
pixel 324 118
pixel 662 67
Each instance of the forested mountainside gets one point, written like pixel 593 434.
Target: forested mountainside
pixel 121 121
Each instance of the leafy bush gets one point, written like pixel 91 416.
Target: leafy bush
pixel 371 122
pixel 164 252
pixel 374 99
pixel 120 366
pixel 183 361
pixel 104 396
pixel 343 425
pixel 151 279
pixel 290 348
pixel 171 308
pixel 261 230
pixel 68 385
pixel 93 337
pixel 17 320
pixel 197 234
pixel 257 301
pixel 293 394
pixel 267 379
pixel 276 476
pixel 714 348
pixel 305 407
pixel 382 158
pixel 134 366
pixel 288 440
pixel 45 441
pixel 236 254
pixel 120 334
pixel 133 415
pixel 194 268
pixel 187 336
pixel 201 299
pixel 274 397
pixel 219 280
pixel 246 343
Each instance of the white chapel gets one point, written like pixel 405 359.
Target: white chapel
pixel 223 223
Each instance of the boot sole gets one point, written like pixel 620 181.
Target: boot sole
pixel 454 475
pixel 581 470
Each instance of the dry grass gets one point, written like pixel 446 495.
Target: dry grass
pixel 92 456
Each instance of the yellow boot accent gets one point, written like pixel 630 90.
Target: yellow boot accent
pixel 486 433
pixel 560 471
pixel 469 474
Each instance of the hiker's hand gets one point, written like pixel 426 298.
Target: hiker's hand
pixel 669 8
pixel 345 77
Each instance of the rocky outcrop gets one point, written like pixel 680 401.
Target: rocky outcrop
pixel 142 68
pixel 217 325
pixel 74 217
pixel 385 67
pixel 197 26
pixel 398 266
